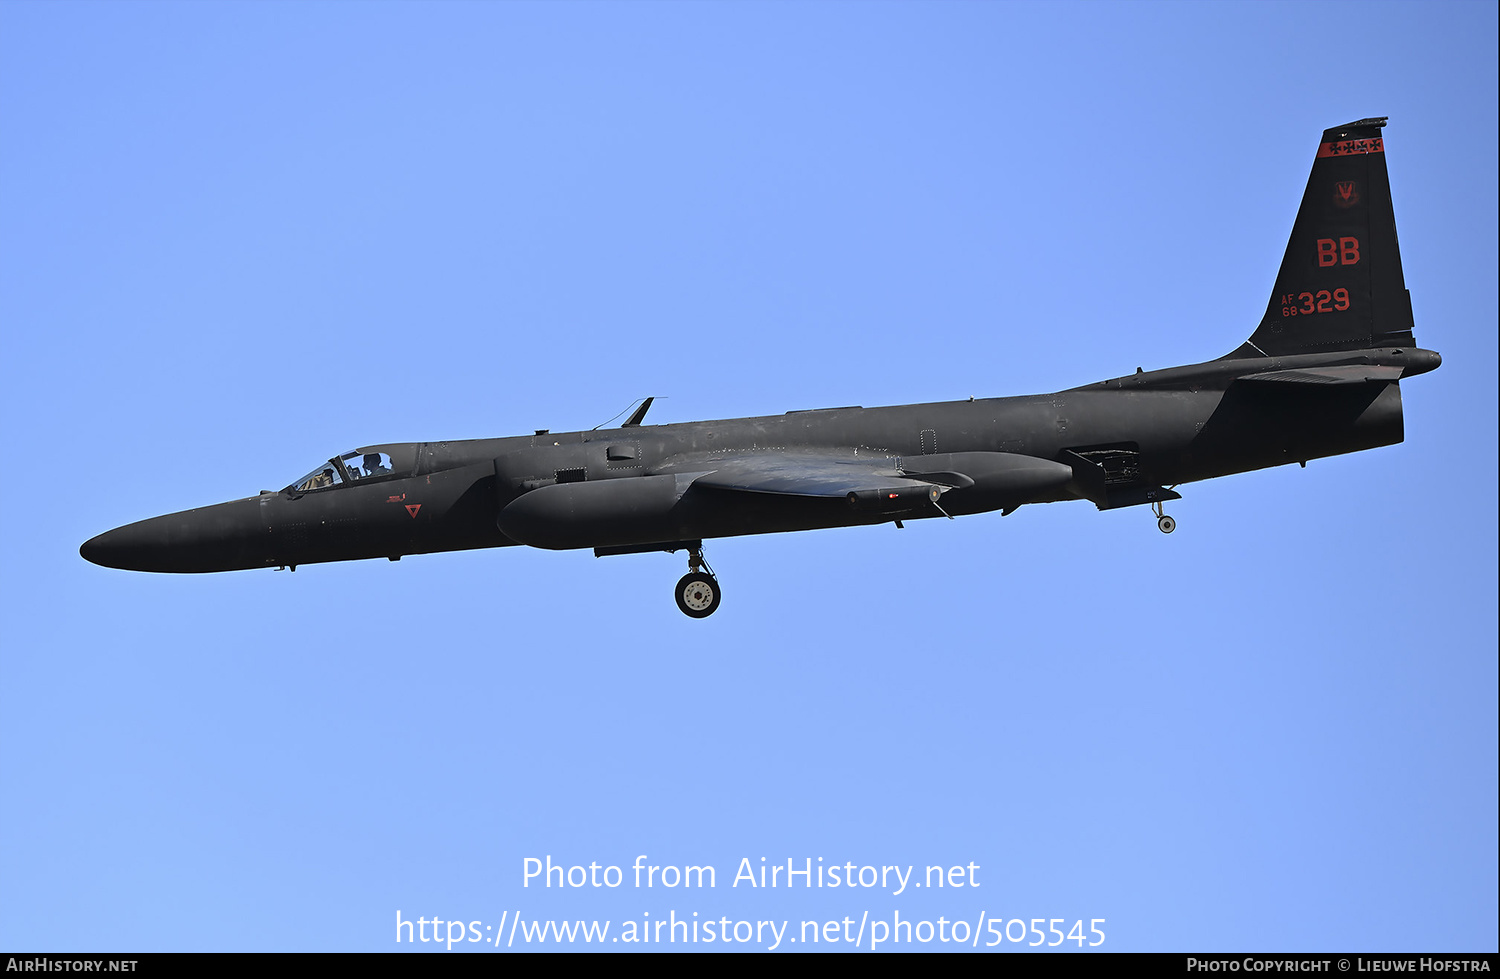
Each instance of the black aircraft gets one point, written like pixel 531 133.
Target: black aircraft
pixel 1318 377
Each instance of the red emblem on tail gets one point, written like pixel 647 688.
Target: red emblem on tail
pixel 1345 194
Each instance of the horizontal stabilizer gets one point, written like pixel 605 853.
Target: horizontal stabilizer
pixel 1344 374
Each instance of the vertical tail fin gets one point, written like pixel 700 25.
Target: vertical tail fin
pixel 1340 285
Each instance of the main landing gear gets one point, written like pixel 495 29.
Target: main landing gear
pixel 698 592
pixel 1164 523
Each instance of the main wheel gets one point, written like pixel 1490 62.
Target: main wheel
pixel 698 594
pixel 1166 524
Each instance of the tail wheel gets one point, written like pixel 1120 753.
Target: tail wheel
pixel 698 594
pixel 1165 524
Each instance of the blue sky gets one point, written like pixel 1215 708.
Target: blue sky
pixel 236 239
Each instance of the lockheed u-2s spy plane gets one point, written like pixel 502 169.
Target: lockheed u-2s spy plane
pixel 1319 376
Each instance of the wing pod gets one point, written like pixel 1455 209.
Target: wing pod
pixel 990 480
pixel 895 499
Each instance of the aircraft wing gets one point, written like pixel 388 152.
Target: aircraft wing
pixel 885 482
pixel 796 474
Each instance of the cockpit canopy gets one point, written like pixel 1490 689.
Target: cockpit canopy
pixel 357 466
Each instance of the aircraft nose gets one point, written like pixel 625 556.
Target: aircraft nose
pixel 143 546
pixel 108 550
pixel 226 537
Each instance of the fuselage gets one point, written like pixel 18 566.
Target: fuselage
pixel 1121 440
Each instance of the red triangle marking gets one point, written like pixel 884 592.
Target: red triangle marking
pixel 412 508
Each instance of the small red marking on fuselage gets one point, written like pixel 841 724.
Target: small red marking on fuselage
pixel 395 499
pixel 412 508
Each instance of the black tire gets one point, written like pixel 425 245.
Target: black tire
pixel 698 595
pixel 1166 524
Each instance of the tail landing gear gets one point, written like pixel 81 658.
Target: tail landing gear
pixel 1164 523
pixel 698 592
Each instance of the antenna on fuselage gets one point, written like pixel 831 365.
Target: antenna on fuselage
pixel 634 420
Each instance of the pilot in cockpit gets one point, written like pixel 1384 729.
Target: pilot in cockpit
pixel 373 466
